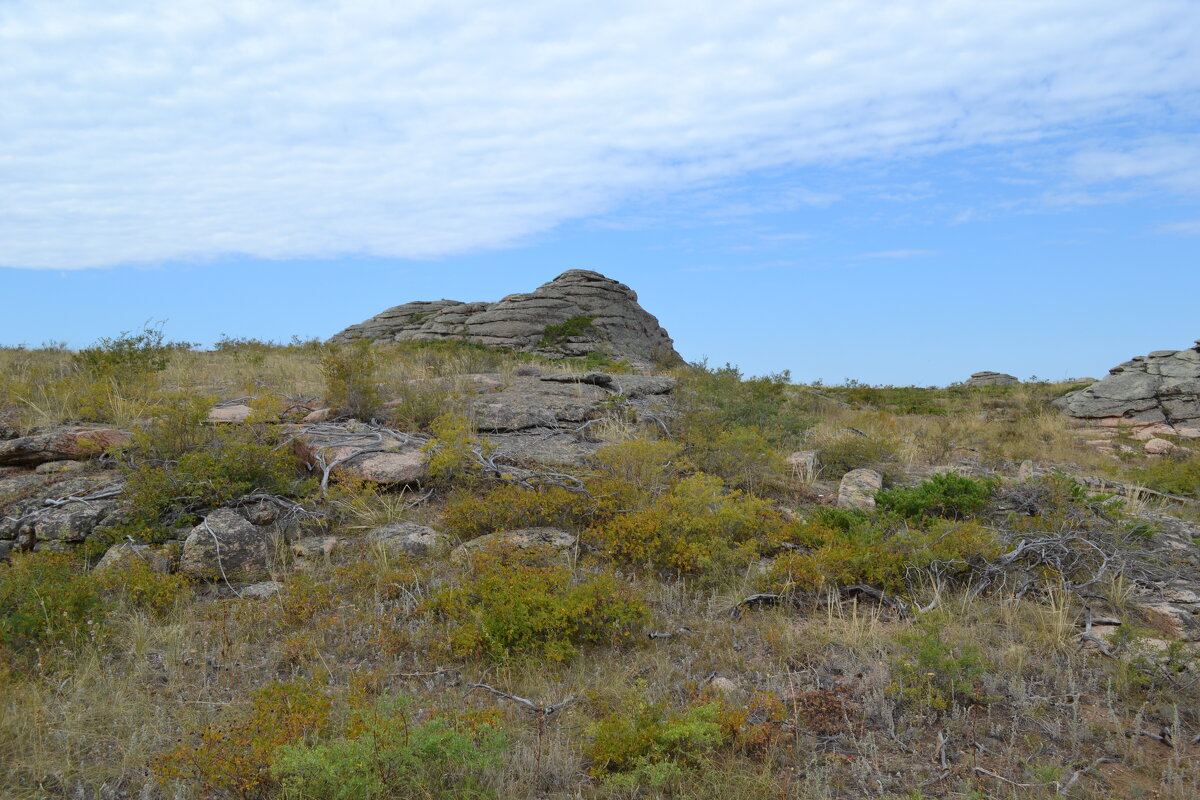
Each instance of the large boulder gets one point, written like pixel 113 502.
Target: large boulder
pixel 225 546
pixel 59 445
pixel 1155 394
pixel 988 378
pixel 363 452
pixel 577 313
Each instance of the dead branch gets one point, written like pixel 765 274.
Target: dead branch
pixel 540 710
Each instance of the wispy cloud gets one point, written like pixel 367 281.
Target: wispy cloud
pixel 1189 227
pixel 161 131
pixel 899 254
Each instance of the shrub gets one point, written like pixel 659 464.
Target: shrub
pixel 850 547
pixel 452 451
pixel 350 373
pixel 713 400
pixel 48 599
pixel 697 526
pixel 128 355
pixel 388 755
pixel 517 603
pixel 943 495
pixel 651 745
pixel 143 588
pixel 1177 474
pixel 933 673
pixel 234 757
pixel 234 461
pixel 557 334
pixel 506 507
pixel 849 451
pixel 742 456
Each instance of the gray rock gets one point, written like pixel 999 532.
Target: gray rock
pixel 226 547
pixel 260 591
pixel 410 538
pixel 72 443
pixel 1157 394
pixel 858 488
pixel 541 446
pixel 122 555
pixel 535 403
pixel 553 539
pixel 987 378
pixel 618 325
pixel 55 467
pixel 311 547
pixel 72 522
pixel 361 452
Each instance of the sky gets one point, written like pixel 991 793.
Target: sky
pixel 889 192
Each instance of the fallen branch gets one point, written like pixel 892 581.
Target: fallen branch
pixel 540 711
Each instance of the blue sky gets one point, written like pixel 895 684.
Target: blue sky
pixel 895 193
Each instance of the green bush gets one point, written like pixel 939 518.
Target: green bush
pixel 1178 474
pixel 388 755
pixel 452 451
pixel 231 461
pixel 557 334
pixel 942 495
pixel 742 455
pixel 128 355
pixel 350 373
pixel 714 400
pixel 933 672
pixel 697 527
pixel 513 603
pixel 48 599
pixel 652 746
pixel 849 450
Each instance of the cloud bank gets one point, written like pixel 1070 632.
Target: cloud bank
pixel 147 132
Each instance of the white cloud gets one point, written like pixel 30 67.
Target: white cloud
pixel 143 132
pixel 1172 163
pixel 900 254
pixel 1189 227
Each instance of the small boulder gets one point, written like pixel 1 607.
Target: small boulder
pixel 410 538
pixel 261 512
pixel 260 591
pixel 319 415
pixel 55 467
pixel 236 412
pixel 125 554
pixel 858 488
pixel 360 452
pixel 553 539
pixel 226 547
pixel 1159 447
pixel 311 547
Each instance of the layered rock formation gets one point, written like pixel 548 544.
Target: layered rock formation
pixel 577 313
pixel 1155 395
pixel 988 378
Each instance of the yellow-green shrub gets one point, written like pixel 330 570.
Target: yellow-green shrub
pixel 234 757
pixel 520 603
pixel 48 599
pixel 350 373
pixel 143 588
pixel 697 526
pixel 469 515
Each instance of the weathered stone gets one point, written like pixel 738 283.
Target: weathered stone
pixel 1026 471
pixel 261 512
pixel 534 403
pixel 236 412
pixel 541 446
pixel 260 591
pixel 987 378
pixel 804 464
pixel 71 444
pixel 610 321
pixel 552 539
pixel 123 555
pixel 226 547
pixel 72 522
pixel 320 415
pixel 1159 392
pixel 311 547
pixel 363 453
pixel 54 467
pixel 1159 447
pixel 410 538
pixel 858 488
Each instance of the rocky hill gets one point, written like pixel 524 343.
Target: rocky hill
pixel 578 313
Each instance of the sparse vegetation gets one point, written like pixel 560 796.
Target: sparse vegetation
pixel 719 630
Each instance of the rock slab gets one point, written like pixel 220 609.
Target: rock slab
pixel 1154 395
pixel 606 314
pixel 69 444
pixel 858 488
pixel 988 378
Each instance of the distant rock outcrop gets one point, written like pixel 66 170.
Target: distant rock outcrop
pixel 1155 395
pixel 987 378
pixel 577 313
